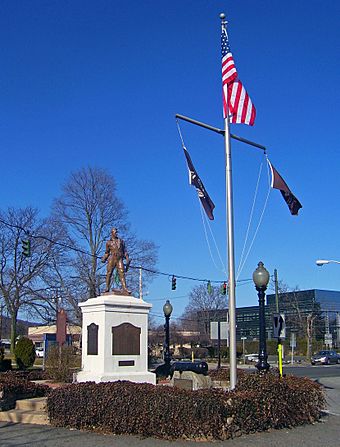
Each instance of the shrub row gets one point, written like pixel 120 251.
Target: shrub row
pixel 37 374
pixel 258 403
pixel 14 387
pixel 278 403
pixel 5 365
pixel 224 373
pixel 20 386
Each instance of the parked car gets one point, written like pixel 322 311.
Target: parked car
pixel 325 358
pixel 39 352
pixel 253 358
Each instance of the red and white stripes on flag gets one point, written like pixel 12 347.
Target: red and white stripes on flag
pixel 229 72
pixel 241 109
pixel 236 101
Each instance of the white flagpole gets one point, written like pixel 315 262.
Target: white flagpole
pixel 230 243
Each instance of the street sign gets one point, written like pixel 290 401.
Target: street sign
pixel 224 329
pixel 279 326
pixel 328 340
pixel 292 340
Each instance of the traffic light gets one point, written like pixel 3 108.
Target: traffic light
pixel 26 247
pixel 224 288
pixel 209 288
pixel 173 283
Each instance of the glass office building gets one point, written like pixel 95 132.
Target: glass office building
pixel 323 306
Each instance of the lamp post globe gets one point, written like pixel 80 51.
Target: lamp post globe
pixel 261 280
pixel 261 276
pixel 167 309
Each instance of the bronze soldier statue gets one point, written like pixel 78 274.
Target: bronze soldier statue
pixel 114 254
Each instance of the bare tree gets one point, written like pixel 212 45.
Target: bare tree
pixel 89 207
pixel 21 278
pixel 200 309
pixel 302 314
pixel 61 287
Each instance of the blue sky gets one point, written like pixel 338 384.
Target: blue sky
pixel 98 83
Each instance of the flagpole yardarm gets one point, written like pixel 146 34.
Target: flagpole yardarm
pixel 220 131
pixel 230 235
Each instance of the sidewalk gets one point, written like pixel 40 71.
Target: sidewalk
pixel 324 433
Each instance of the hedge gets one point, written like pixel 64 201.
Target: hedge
pixel 13 387
pixel 258 403
pixel 19 385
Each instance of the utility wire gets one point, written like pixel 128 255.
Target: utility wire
pixel 78 250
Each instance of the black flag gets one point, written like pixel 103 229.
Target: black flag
pixel 194 180
pixel 278 183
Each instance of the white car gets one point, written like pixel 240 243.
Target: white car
pixel 39 352
pixel 252 357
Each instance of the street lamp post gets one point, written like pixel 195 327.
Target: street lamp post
pixel 261 279
pixel 167 309
pixel 321 262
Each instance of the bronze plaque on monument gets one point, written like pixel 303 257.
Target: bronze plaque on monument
pixel 126 363
pixel 92 339
pixel 126 339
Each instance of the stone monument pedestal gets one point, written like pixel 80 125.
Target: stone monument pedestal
pixel 114 339
pixel 188 380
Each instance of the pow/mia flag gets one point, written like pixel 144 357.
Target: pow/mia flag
pixel 195 180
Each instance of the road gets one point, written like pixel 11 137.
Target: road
pixel 307 370
pixel 314 372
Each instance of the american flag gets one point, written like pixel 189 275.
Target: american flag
pixel 239 105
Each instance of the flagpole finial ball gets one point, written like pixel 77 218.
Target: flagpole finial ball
pixel 222 16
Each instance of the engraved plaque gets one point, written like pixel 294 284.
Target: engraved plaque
pixel 126 339
pixel 92 339
pixel 126 363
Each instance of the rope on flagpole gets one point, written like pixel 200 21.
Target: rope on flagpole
pixel 206 234
pixel 180 133
pixel 250 219
pixel 259 223
pixel 206 223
